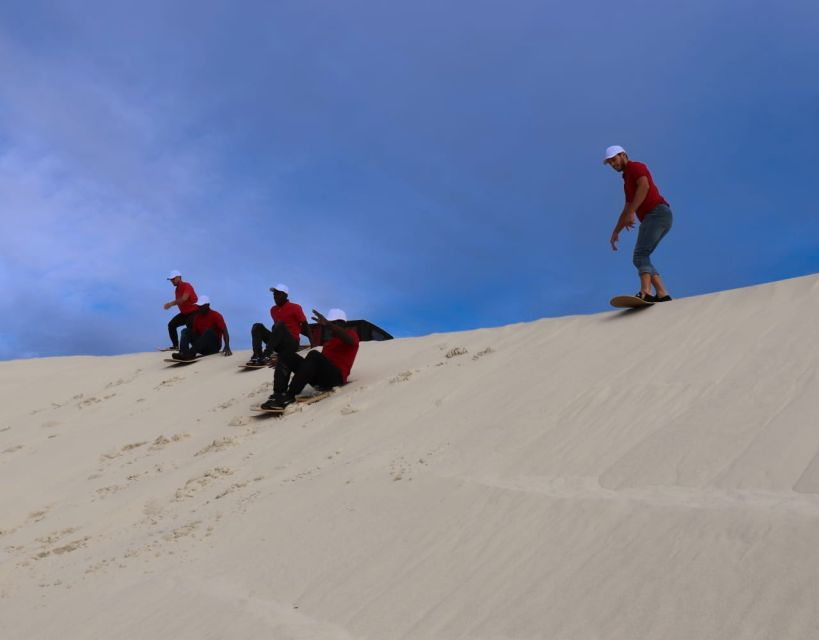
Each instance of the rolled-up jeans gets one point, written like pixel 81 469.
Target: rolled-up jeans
pixel 652 229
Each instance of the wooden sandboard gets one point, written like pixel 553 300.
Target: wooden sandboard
pixel 629 302
pixel 306 399
pixel 172 361
pixel 313 397
pixel 257 366
pixel 275 412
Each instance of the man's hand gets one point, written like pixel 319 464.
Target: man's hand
pixel 320 319
pixel 227 352
pixel 613 241
pixel 628 223
pixel 168 305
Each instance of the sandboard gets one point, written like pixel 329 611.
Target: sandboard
pixel 166 349
pixel 629 302
pixel 275 412
pixel 313 397
pixel 172 361
pixel 257 366
pixel 304 399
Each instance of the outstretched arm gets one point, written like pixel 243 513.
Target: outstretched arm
pixel 338 331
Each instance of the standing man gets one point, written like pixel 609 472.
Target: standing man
pixel 186 301
pixel 288 323
pixel 205 334
pixel 644 199
pixel 328 368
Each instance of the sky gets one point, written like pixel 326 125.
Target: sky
pixel 428 166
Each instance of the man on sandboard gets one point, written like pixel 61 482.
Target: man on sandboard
pixel 288 322
pixel 205 334
pixel 328 368
pixel 185 299
pixel 643 199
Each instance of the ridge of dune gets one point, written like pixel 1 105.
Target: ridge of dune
pixel 650 474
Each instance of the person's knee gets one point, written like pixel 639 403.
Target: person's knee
pixel 257 327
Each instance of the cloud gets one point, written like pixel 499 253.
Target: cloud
pixel 428 167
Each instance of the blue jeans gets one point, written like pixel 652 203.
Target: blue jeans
pixel 652 229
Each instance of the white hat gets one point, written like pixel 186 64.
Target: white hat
pixel 203 300
pixel 174 274
pixel 613 151
pixel 281 287
pixel 336 314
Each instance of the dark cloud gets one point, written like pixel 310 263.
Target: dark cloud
pixel 429 166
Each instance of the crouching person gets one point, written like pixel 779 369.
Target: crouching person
pixel 326 369
pixel 205 334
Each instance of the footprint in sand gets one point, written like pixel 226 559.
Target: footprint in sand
pixel 12 449
pixel 121 451
pixel 197 483
pixel 50 424
pixel 66 548
pixel 225 405
pixel 121 381
pixel 400 469
pixel 217 445
pixel 169 382
pixel 483 353
pixel 161 441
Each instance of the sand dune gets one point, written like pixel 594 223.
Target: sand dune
pixel 650 474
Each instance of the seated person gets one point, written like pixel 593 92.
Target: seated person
pixel 288 323
pixel 205 336
pixel 328 368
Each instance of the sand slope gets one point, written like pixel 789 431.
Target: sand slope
pixel 650 474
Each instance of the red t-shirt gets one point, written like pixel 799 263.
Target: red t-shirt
pixel 291 315
pixel 210 320
pixel 190 304
pixel 340 354
pixel 632 172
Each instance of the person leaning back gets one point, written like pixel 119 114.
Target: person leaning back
pixel 325 369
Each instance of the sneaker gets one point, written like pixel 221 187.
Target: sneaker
pixel 646 297
pixel 255 361
pixel 665 298
pixel 267 361
pixel 184 357
pixel 278 401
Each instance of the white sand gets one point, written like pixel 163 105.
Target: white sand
pixel 615 476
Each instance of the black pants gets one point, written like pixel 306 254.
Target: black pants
pixel 279 339
pixel 315 370
pixel 205 344
pixel 179 320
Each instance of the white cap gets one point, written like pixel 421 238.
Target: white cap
pixel 336 314
pixel 174 274
pixel 613 151
pixel 281 287
pixel 203 300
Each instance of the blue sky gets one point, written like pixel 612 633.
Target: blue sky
pixel 429 166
